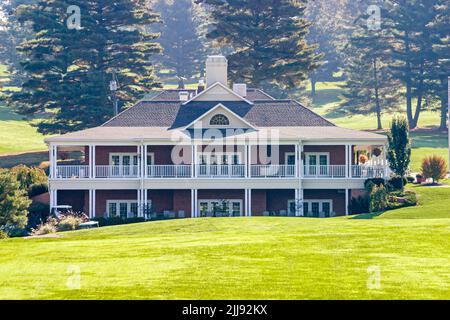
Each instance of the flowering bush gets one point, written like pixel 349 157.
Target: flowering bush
pixel 362 158
pixel 45 228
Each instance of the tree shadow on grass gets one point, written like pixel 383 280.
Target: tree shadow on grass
pixel 368 215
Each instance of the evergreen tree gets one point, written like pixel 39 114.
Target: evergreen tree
pixel 399 147
pixel 69 69
pixel 410 23
pixel 180 40
pixel 14 202
pixel 370 86
pixel 268 38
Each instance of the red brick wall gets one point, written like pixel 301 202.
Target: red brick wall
pixel 337 153
pixel 74 198
pixel 259 152
pixel 103 195
pixel 337 196
pixel 278 199
pixel 221 194
pixel 259 202
pixel 102 153
pixel 182 201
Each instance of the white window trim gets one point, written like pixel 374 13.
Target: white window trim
pixel 121 155
pixel 152 154
pixel 230 155
pixel 128 202
pixel 309 201
pixel 209 201
pixel 318 154
pixel 287 155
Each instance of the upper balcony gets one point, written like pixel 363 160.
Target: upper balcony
pixel 239 162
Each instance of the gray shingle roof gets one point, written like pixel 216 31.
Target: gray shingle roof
pixel 173 114
pixel 173 95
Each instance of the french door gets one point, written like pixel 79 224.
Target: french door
pixel 124 164
pixel 222 208
pixel 317 164
pixel 219 164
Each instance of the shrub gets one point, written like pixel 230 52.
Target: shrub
pixel 38 212
pixel 69 222
pixel 37 189
pixel 45 228
pixel 434 167
pixel 378 199
pixel 396 182
pixel 3 234
pixel 376 181
pixel 359 205
pixel 28 176
pixel 111 221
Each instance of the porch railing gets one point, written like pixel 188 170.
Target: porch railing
pixel 319 171
pixel 272 171
pixel 213 171
pixel 72 172
pixel 234 170
pixel 363 171
pixel 169 171
pixel 116 171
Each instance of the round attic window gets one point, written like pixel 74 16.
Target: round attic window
pixel 219 120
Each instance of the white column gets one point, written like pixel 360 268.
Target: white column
pixel 296 171
pixel 94 200
pixel 346 202
pixel 300 196
pixel 349 165
pixel 93 162
pixel 246 206
pixel 249 212
pixel 195 213
pixel 145 163
pixel 249 159
pixel 300 160
pixel 91 201
pixel 53 160
pixel 193 147
pixel 346 161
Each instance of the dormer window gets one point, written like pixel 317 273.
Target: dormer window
pixel 219 120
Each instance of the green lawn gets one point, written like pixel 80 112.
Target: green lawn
pixel 242 258
pixel 17 135
pixel 426 141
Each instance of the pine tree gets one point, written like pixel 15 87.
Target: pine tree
pixel 70 68
pixel 180 40
pixel 268 38
pixel 399 147
pixel 409 22
pixel 370 86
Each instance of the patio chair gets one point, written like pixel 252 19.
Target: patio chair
pixel 181 214
pixel 291 214
pixel 209 214
pixel 166 214
pixel 283 213
pixel 266 213
pixel 321 215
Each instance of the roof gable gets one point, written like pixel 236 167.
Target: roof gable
pixel 235 120
pixel 218 92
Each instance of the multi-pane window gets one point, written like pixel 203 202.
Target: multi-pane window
pixel 224 207
pixel 219 120
pixel 123 208
pixel 314 207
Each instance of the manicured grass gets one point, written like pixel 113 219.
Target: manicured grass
pixel 17 134
pixel 234 258
pixel 426 141
pixel 434 203
pixel 242 258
